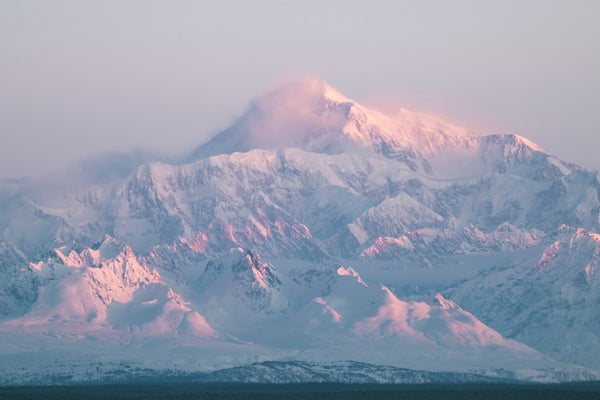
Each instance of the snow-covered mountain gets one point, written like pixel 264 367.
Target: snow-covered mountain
pixel 314 230
pixel 548 300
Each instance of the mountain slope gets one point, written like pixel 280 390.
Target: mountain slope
pixel 241 253
pixel 312 116
pixel 549 301
pixel 119 303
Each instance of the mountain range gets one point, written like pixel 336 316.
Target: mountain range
pixel 313 236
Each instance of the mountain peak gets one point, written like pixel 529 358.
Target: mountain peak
pixel 307 114
pixel 305 90
pixel 310 115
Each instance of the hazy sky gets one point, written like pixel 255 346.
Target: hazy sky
pixel 84 77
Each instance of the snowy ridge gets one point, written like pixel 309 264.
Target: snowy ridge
pixel 312 116
pixel 568 268
pixel 313 225
pixel 95 294
pixel 428 245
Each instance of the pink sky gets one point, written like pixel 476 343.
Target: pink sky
pixel 82 78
